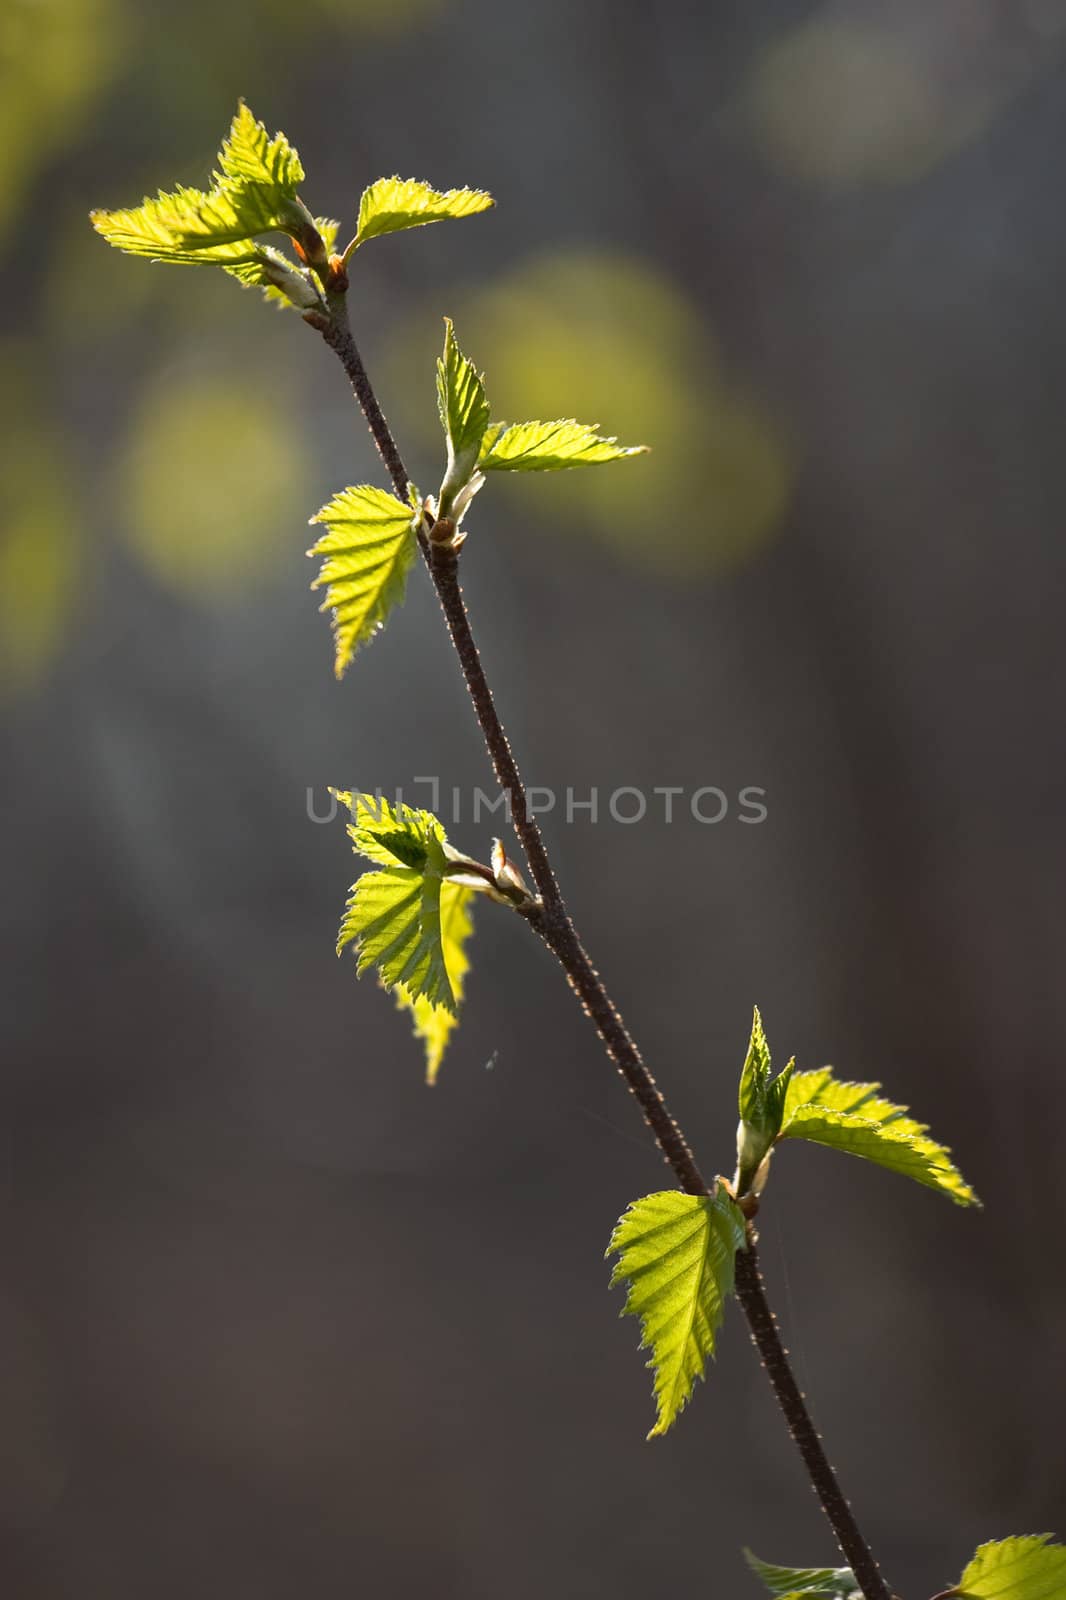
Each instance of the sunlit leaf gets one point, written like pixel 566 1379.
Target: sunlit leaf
pixel 188 227
pixel 856 1118
pixel 392 204
pixel 253 193
pixel 368 550
pixel 549 447
pixel 249 158
pixel 676 1253
pixel 603 335
pixel 1028 1567
pixel 393 916
pixel 805 1583
pixel 762 1103
pixel 386 832
pixel 464 415
pixel 434 1023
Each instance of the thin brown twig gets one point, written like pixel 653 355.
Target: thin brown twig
pixel 553 923
pixel 751 1292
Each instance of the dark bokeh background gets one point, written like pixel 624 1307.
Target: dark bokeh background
pixel 276 1319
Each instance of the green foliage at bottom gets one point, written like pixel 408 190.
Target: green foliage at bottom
pixel 1028 1567
pixel 805 1583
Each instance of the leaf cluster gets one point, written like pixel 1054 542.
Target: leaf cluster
pixel 677 1252
pixel 410 918
pixel 823 1109
pixel 254 193
pixel 1028 1567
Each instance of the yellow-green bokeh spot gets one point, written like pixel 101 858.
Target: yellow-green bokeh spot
pixel 882 96
pixel 57 58
pixel 213 482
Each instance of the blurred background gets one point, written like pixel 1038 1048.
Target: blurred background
pixel 277 1319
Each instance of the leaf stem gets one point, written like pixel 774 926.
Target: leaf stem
pixel 553 923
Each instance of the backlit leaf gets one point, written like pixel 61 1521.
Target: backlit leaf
pixel 1024 1568
pixel 253 193
pixel 368 551
pixel 464 415
pixel 392 204
pixel 549 447
pixel 676 1253
pixel 434 1023
pixel 805 1583
pixel 249 157
pixel 761 1101
pixel 856 1118
pixel 393 916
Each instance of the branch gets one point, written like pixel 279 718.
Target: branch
pixel 751 1292
pixel 553 923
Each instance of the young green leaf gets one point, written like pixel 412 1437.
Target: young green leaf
pixel 433 1023
pixel 393 916
pixel 549 447
pixel 188 227
pixel 805 1583
pixel 250 158
pixel 757 1071
pixel 856 1118
pixel 368 552
pixel 1024 1568
pixel 386 833
pixel 676 1253
pixel 762 1103
pixel 254 193
pixel 392 204
pixel 464 415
